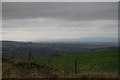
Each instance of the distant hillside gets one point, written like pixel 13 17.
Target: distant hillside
pixel 49 48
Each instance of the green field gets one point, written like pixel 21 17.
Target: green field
pixel 101 63
pixel 94 61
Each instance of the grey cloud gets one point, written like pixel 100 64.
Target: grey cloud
pixel 61 10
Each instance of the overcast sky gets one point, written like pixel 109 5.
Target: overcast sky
pixel 59 0
pixel 46 21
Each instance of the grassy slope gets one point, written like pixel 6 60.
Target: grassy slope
pixel 97 61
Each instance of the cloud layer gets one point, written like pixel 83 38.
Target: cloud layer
pixel 70 11
pixel 46 21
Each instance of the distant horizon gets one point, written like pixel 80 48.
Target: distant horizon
pixel 65 40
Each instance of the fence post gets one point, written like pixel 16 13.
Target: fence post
pixel 13 56
pixel 49 60
pixel 76 66
pixel 30 57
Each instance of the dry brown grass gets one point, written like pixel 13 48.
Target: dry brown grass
pixel 47 71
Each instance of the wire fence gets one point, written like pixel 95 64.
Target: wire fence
pixel 35 62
